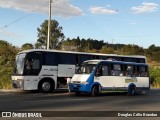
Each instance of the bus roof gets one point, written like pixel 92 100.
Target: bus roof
pixel 85 53
pixel 112 61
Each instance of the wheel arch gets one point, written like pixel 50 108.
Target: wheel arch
pixel 131 84
pixel 95 84
pixel 131 89
pixel 47 79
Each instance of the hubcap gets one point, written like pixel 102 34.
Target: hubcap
pixel 46 86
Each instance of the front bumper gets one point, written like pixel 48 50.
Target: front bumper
pixel 18 84
pixel 79 87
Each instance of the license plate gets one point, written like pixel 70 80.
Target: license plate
pixel 74 85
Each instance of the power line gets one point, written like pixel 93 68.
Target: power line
pixel 21 18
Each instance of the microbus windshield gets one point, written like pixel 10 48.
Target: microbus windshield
pixel 87 67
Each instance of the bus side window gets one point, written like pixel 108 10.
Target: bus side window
pixel 77 60
pixel 28 64
pixel 49 58
pixel 36 64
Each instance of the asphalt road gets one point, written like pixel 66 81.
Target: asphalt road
pixel 27 101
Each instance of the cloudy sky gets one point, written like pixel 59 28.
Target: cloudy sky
pixel 114 21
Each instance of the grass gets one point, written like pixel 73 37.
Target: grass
pixel 5 84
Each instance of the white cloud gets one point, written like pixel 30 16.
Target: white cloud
pixel 145 8
pixel 102 10
pixel 61 8
pixel 10 34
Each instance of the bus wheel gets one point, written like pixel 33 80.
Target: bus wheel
pixel 131 90
pixel 95 91
pixel 46 86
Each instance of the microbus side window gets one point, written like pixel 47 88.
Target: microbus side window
pixel 99 70
pixel 105 70
pixel 129 71
pixel 116 70
pixel 136 71
pixel 123 70
pixel 143 71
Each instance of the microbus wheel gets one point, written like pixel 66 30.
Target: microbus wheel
pixel 131 90
pixel 46 86
pixel 95 91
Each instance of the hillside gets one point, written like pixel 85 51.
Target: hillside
pixel 8 53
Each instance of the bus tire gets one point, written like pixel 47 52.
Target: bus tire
pixel 131 90
pixel 46 86
pixel 95 91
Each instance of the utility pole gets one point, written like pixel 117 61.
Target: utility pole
pixel 49 24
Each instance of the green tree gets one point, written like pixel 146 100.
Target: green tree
pixel 27 46
pixel 56 35
pixel 155 76
pixel 69 45
pixel 132 50
pixel 107 50
pixel 153 52
pixel 7 58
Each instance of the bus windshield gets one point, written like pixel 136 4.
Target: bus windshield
pixel 86 69
pixel 19 65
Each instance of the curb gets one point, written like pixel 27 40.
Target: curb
pixel 19 90
pixel 10 90
pixel 155 88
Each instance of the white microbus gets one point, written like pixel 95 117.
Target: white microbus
pixel 47 70
pixel 95 76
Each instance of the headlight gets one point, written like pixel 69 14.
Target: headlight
pixel 71 82
pixel 84 82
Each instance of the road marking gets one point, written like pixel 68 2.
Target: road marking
pixel 55 100
pixel 2 94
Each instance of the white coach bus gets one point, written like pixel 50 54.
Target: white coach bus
pixel 95 76
pixel 47 70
